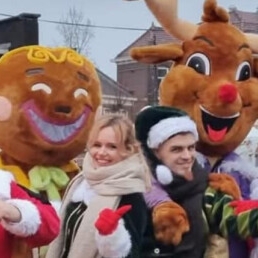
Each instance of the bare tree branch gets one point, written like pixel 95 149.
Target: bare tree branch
pixel 74 35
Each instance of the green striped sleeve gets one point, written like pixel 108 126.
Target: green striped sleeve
pixel 221 217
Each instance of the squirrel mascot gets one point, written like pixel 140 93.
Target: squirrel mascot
pixel 48 100
pixel 214 80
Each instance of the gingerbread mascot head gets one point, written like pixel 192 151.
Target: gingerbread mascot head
pixel 48 100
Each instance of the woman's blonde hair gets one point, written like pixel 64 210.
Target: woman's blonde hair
pixel 123 127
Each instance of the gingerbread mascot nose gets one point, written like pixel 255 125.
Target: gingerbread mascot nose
pixel 228 93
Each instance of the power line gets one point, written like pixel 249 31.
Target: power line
pixel 94 26
pixel 84 25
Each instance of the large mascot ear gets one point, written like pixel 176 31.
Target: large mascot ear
pixel 157 53
pixel 166 12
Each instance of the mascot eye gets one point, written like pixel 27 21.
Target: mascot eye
pixel 41 86
pixel 243 71
pixel 79 92
pixel 200 63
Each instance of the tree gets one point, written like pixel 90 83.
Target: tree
pixel 75 32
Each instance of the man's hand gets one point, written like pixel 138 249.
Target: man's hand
pixel 170 222
pixel 225 183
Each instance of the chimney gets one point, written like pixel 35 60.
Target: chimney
pixel 20 30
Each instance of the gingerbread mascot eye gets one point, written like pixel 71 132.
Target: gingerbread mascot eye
pixel 200 63
pixel 243 72
pixel 80 92
pixel 41 87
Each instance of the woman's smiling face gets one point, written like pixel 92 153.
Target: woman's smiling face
pixel 107 148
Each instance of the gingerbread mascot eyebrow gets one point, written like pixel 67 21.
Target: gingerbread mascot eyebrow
pixel 213 80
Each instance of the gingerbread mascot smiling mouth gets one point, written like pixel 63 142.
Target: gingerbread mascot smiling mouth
pixel 48 100
pixel 213 80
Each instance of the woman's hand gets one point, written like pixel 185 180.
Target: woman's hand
pixel 9 212
pixel 108 219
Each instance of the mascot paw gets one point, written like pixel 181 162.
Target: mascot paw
pixel 225 183
pixel 170 222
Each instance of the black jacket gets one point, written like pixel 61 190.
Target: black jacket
pixel 188 194
pixel 134 220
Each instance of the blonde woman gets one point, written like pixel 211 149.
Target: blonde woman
pixel 103 212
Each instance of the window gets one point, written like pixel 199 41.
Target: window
pixel 161 73
pixel 119 111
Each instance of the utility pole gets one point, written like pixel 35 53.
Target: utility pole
pixel 152 73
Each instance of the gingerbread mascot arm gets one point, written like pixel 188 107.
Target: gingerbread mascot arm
pixel 37 223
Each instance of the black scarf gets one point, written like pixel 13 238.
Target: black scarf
pixel 189 194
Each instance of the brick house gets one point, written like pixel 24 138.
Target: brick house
pixel 142 80
pixel 245 21
pixel 115 98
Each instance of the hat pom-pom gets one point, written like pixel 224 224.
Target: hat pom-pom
pixel 164 175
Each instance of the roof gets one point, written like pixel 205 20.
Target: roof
pixel 153 36
pixel 111 87
pixel 246 21
pixel 21 16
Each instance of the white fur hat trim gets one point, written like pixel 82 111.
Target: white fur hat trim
pixel 168 127
pixel 164 175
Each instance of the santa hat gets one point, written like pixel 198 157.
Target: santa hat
pixel 154 125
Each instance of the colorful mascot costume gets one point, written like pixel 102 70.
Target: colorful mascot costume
pixel 213 81
pixel 48 100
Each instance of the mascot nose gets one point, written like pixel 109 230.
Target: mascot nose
pixel 63 109
pixel 228 93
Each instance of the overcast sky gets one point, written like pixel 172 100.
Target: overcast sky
pixel 107 43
